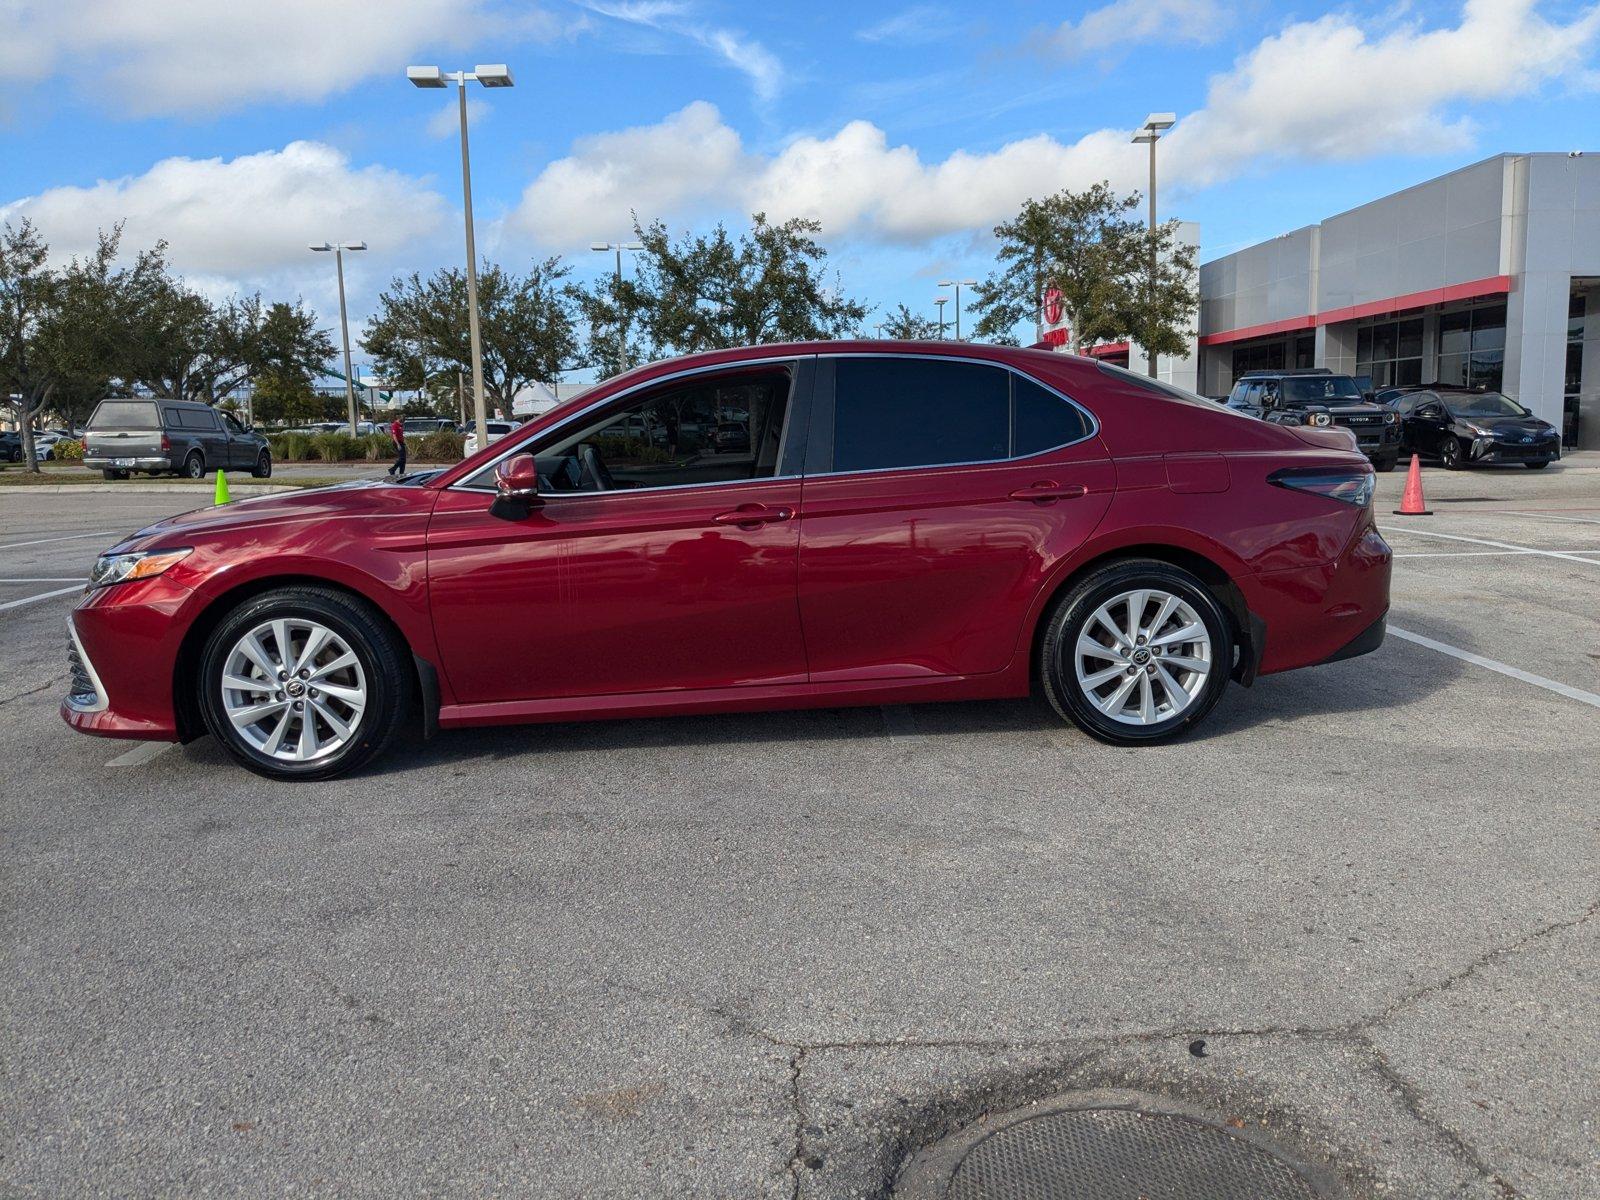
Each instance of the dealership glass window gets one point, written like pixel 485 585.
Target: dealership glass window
pixel 1390 352
pixel 1472 347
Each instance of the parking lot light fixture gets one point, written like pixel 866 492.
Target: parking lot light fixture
pixel 939 303
pixel 1149 134
pixel 958 284
pixel 622 327
pixel 338 249
pixel 494 75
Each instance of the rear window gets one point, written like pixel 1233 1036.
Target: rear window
pixel 1041 419
pixel 125 414
pixel 195 418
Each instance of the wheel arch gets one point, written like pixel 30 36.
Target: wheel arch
pixel 1247 630
pixel 185 704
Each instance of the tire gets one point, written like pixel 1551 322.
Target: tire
pixel 381 672
pixel 263 467
pixel 1386 463
pixel 1451 455
pixel 194 467
pixel 16 454
pixel 1073 617
pixel 1538 466
pixel 115 474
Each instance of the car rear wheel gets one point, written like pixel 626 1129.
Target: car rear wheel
pixel 1450 453
pixel 1386 463
pixel 263 467
pixel 304 683
pixel 115 474
pixel 1137 652
pixel 194 467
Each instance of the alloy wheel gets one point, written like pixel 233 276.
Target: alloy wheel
pixel 293 690
pixel 1143 657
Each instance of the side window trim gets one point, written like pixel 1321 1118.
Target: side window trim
pixel 819 452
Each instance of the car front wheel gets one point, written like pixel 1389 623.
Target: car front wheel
pixel 1137 652
pixel 304 683
pixel 263 467
pixel 1450 453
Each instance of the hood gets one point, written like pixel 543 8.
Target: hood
pixel 1507 425
pixel 359 499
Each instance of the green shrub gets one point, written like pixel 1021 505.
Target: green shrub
pixel 439 446
pixel 375 446
pixel 290 447
pixel 68 450
pixel 334 447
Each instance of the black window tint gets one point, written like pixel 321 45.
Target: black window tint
pixel 899 412
pixel 1041 419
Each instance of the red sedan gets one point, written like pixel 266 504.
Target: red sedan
pixel 908 522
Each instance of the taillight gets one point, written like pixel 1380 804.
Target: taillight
pixel 1348 485
pixel 166 443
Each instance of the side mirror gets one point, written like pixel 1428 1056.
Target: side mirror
pixel 1369 396
pixel 516 481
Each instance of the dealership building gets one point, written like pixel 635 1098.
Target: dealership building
pixel 1488 276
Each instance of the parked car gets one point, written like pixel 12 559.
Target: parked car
pixel 424 425
pixel 496 431
pixel 44 444
pixel 731 436
pixel 1316 396
pixel 1464 427
pixel 935 524
pixel 10 446
pixel 182 437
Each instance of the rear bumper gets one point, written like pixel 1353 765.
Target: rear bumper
pixel 1365 642
pixel 1320 614
pixel 138 462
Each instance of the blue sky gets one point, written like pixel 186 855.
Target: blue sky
pixel 241 132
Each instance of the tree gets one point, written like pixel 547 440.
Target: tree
pixel 527 324
pixel 1091 247
pixel 712 291
pixel 28 292
pixel 910 326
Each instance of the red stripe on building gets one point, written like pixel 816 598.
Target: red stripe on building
pixel 1495 285
pixel 1108 350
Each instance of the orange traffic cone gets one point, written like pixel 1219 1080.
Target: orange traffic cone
pixel 1411 503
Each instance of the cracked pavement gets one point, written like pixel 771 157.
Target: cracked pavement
pixel 771 955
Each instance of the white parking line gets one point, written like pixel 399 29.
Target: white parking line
pixel 77 587
pixel 76 537
pixel 47 579
pixel 141 754
pixel 1485 553
pixel 1550 685
pixel 1567 555
pixel 1553 517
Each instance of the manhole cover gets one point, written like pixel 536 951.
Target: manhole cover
pixel 1103 1149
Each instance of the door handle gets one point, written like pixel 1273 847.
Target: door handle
pixel 1048 490
pixel 752 515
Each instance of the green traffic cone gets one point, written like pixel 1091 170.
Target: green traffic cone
pixel 222 489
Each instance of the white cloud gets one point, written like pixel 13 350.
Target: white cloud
pixel 243 219
pixel 917 25
pixel 167 56
pixel 1325 90
pixel 1317 90
pixel 446 122
pixel 1126 23
pixel 746 55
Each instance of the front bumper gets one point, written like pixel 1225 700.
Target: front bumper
pixel 123 644
pixel 1491 450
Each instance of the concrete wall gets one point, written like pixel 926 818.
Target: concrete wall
pixel 1268 282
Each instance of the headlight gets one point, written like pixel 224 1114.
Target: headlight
pixel 1479 430
pixel 1391 418
pixel 136 564
pixel 1321 420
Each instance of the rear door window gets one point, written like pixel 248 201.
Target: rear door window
pixel 1042 420
pixel 125 414
pixel 906 412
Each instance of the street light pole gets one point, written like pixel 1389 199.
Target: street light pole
pixel 1149 134
pixel 941 301
pixel 338 249
pixel 489 76
pixel 622 325
pixel 958 284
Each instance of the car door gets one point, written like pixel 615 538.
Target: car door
pixel 678 573
pixel 1426 424
pixel 241 448
pixel 938 494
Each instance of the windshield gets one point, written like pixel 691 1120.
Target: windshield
pixel 125 414
pixel 1318 389
pixel 1484 404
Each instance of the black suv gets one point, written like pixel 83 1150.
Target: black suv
pixel 1466 426
pixel 180 436
pixel 1316 396
pixel 10 446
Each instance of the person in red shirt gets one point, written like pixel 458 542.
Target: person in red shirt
pixel 398 433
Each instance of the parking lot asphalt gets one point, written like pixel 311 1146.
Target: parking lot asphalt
pixel 771 954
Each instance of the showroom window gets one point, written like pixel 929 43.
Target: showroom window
pixel 1472 347
pixel 1390 352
